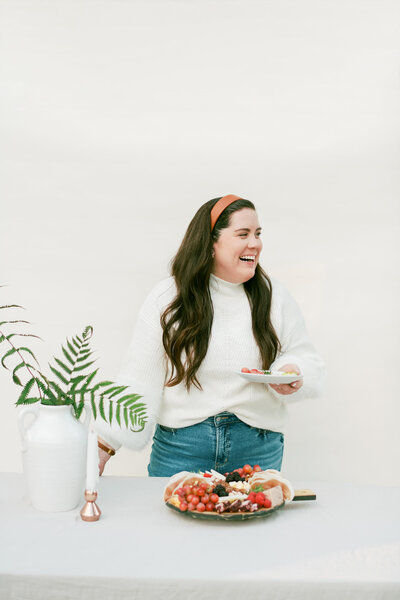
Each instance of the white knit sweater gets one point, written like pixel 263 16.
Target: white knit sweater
pixel 231 347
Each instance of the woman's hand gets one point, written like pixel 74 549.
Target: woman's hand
pixel 288 388
pixel 103 456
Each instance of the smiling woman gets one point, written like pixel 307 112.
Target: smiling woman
pixel 217 312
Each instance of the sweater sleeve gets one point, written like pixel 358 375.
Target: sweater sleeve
pixel 143 371
pixel 297 347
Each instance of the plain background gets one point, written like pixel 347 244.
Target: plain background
pixel 119 119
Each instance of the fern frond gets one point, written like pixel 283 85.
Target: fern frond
pixel 63 366
pixel 71 348
pixel 59 375
pixel 25 392
pixel 67 356
pixel 85 366
pixel 20 366
pixel 93 404
pixel 15 321
pixel 12 306
pixel 101 409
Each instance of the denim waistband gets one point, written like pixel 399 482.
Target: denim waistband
pixel 223 418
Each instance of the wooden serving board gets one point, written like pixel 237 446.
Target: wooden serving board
pixel 304 495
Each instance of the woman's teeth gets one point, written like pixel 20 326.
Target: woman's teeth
pixel 247 258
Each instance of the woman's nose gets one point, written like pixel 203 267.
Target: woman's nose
pixel 253 242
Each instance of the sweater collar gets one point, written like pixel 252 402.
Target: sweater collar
pixel 224 287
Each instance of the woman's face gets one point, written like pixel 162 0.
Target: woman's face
pixel 238 248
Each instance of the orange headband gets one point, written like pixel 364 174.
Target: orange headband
pixel 220 206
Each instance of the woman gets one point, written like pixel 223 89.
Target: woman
pixel 218 312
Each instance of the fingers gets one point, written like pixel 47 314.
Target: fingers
pixel 287 388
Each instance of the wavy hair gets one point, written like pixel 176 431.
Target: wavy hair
pixel 187 320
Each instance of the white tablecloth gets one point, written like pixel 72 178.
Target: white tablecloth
pixel 344 546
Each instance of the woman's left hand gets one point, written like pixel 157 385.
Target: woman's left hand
pixel 288 388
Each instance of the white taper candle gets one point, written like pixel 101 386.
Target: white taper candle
pixel 92 465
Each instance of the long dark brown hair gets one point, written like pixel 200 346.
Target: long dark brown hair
pixel 187 321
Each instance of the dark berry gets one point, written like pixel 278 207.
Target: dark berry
pixel 219 490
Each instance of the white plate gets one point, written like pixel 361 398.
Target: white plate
pixel 275 377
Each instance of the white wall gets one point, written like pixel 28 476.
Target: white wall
pixel 119 119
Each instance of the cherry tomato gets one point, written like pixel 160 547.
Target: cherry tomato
pixel 195 500
pixel 214 498
pixel 257 468
pixel 191 506
pixel 255 371
pixel 180 492
pixel 209 506
pixel 204 499
pixel 247 469
pixel 187 489
pixel 207 475
pixel 183 506
pixel 267 503
pixel 189 497
pixel 201 507
pixel 260 498
pixel 245 370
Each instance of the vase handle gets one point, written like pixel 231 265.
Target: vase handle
pixel 29 410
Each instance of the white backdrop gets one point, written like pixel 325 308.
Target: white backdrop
pixel 119 119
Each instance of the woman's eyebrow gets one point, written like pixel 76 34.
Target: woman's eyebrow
pixel 247 229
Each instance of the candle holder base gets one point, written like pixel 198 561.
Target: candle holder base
pixel 90 511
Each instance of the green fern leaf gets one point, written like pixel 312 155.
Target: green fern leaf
pixel 12 306
pixel 110 412
pixel 8 353
pixel 76 344
pixel 16 379
pixel 85 366
pixel 79 340
pixel 16 321
pixel 71 348
pixel 118 390
pixel 101 409
pixel 63 366
pixel 101 384
pixel 2 338
pixel 49 398
pixel 129 397
pixel 59 375
pixel 126 417
pixel 118 414
pixel 25 392
pixel 67 356
pixel 88 332
pixel 93 404
pixel 59 390
pixel 84 356
pixel 90 378
pixel 30 400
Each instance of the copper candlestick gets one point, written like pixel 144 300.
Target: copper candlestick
pixel 90 511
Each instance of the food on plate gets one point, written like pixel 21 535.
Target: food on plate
pixel 260 372
pixel 247 489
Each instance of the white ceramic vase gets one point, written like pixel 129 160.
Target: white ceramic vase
pixel 54 447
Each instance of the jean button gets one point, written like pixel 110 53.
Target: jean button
pixel 218 419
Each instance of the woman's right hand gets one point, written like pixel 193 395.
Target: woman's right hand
pixel 103 458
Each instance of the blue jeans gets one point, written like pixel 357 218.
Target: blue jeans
pixel 223 443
